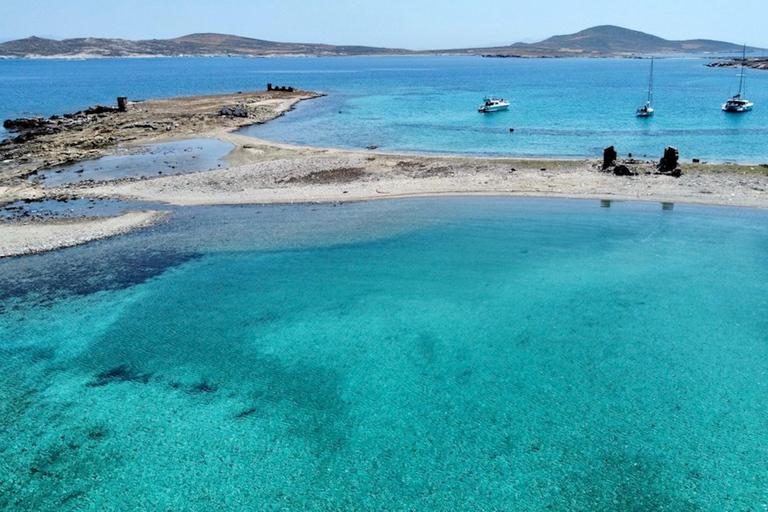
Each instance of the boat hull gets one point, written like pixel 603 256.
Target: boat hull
pixel 644 112
pixel 493 108
pixel 737 109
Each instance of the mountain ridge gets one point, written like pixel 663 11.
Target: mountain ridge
pixel 598 41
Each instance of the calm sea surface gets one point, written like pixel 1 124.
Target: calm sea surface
pixel 434 354
pixel 430 354
pixel 560 107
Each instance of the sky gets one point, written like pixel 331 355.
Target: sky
pixel 411 24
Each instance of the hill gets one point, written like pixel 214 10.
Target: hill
pixel 605 41
pixel 191 45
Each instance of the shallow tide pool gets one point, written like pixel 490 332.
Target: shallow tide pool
pixel 450 353
pixel 146 161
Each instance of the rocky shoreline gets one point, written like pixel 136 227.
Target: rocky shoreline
pixel 757 63
pixel 98 131
pixel 262 172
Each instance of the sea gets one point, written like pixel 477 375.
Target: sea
pixel 451 353
pixel 565 108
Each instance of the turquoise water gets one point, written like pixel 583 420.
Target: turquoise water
pixel 454 353
pixel 560 107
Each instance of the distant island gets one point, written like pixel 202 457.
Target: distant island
pixel 607 41
pixel 194 45
pixel 601 41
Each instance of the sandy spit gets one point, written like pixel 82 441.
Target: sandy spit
pixel 264 173
pixel 17 239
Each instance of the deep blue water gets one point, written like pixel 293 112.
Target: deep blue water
pixel 433 354
pixel 560 107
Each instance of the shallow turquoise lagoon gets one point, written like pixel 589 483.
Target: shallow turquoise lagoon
pixel 433 354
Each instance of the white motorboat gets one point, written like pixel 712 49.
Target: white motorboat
pixel 493 105
pixel 738 103
pixel 646 110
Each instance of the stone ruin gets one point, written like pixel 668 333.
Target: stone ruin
pixel 281 88
pixel 668 163
pixel 667 166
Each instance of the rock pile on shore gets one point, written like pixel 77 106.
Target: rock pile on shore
pixel 668 165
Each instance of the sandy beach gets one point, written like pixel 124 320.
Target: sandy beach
pixel 263 172
pixel 31 238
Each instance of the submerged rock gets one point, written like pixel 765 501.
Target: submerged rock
pixel 117 374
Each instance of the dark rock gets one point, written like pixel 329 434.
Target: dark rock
pixel 609 157
pixel 98 109
pixel 668 163
pixel 623 170
pixel 235 111
pixel 24 124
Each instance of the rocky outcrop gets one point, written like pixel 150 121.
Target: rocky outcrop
pixel 97 131
pixel 669 163
pixel 236 111
pixel 24 124
pixel 734 63
pixel 623 170
pixel 609 157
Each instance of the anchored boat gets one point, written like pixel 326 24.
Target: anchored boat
pixel 738 103
pixel 646 110
pixel 493 105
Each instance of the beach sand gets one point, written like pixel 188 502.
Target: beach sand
pixel 263 172
pixel 17 239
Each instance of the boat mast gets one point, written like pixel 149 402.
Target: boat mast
pixel 741 75
pixel 650 85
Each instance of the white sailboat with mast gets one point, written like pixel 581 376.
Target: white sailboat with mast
pixel 647 110
pixel 738 103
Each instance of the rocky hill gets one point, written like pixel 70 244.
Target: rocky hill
pixel 191 45
pixel 605 41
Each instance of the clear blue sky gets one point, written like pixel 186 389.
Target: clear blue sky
pixel 414 24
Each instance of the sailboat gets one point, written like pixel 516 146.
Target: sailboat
pixel 646 110
pixel 738 103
